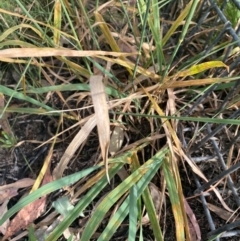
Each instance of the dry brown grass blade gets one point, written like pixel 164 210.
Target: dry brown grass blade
pixel 101 112
pixel 176 84
pixel 44 169
pixel 172 134
pixel 25 182
pixel 48 52
pixel 108 36
pixel 131 66
pixel 223 214
pixel 71 149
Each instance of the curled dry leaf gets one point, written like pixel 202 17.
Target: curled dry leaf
pixel 26 216
pixel 147 49
pixel 29 213
pixel 102 117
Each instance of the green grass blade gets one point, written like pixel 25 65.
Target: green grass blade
pixel 93 35
pixel 14 94
pixel 31 235
pixel 154 24
pixel 108 202
pixel 27 110
pixel 133 214
pixel 16 43
pixel 213 238
pixel 85 201
pixel 123 210
pixel 17 27
pixel 19 3
pixel 152 165
pixel 152 215
pixel 46 189
pixel 115 221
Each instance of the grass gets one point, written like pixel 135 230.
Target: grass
pixel 7 141
pixel 53 50
pixel 231 12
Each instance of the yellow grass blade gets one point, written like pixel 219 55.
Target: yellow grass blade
pixel 177 23
pixel 195 69
pixel 57 22
pixel 74 66
pixel 196 82
pixel 108 36
pixel 111 41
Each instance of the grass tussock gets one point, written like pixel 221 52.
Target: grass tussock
pixel 116 87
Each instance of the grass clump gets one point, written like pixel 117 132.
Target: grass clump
pixel 7 141
pixel 54 50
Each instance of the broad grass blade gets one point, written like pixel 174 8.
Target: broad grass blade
pixel 102 117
